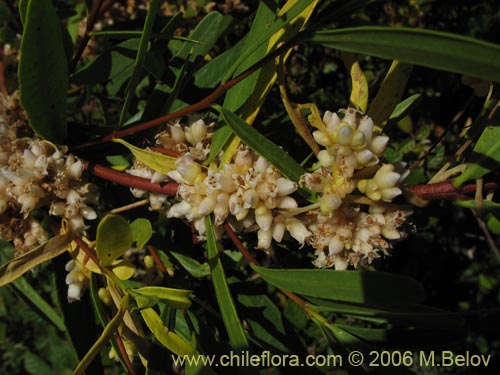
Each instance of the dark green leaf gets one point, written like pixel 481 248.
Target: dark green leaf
pixel 43 69
pixel 485 155
pixel 433 49
pixel 351 286
pixel 140 58
pixel 237 336
pixel 37 303
pixel 195 268
pixel 263 146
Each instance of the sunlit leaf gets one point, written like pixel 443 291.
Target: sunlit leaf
pixel 154 160
pixel 175 298
pixel 433 49
pixel 170 340
pixel 123 268
pixel 22 264
pixel 43 69
pixel 350 286
pixel 359 92
pixel 113 239
pixel 141 231
pixel 237 336
pixel 390 93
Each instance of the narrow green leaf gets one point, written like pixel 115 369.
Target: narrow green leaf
pixel 260 144
pixel 237 336
pixel 433 49
pixel 489 206
pixel 37 303
pixel 405 107
pixel 154 160
pixel 43 69
pixel 169 339
pixel 22 264
pixel 141 231
pixel 140 58
pixel 485 156
pixel 175 298
pixel 351 286
pixel 113 238
pixel 195 268
pixel 106 335
pixel 390 93
pixel 206 34
pixel 35 365
pixel 410 316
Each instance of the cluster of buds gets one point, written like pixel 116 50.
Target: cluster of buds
pixel 343 233
pixel 35 173
pixel 247 193
pixel 353 221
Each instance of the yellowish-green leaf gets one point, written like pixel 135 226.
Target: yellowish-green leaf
pixel 170 340
pixel 104 338
pixel 268 75
pixel 176 298
pixel 22 264
pixel 141 231
pixel 123 269
pixel 113 238
pixel 359 92
pixel 390 93
pixel 154 160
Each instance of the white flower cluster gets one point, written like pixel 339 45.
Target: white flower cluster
pixel 35 173
pixel 248 193
pixel 343 233
pixel 77 279
pixel 352 221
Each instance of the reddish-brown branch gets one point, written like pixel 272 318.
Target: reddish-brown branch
pixel 164 151
pixel 124 179
pixel 92 17
pixel 123 352
pixel 87 250
pixel 241 248
pixel 446 190
pixel 198 106
pixel 156 259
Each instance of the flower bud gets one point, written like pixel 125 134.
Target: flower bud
pixel 379 144
pixel 177 133
pixel 298 230
pixel 264 239
pixel 196 132
pixel 263 217
pixel 325 158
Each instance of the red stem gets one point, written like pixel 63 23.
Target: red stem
pixel 87 250
pixel 250 259
pixel 124 179
pixel 157 259
pixel 446 190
